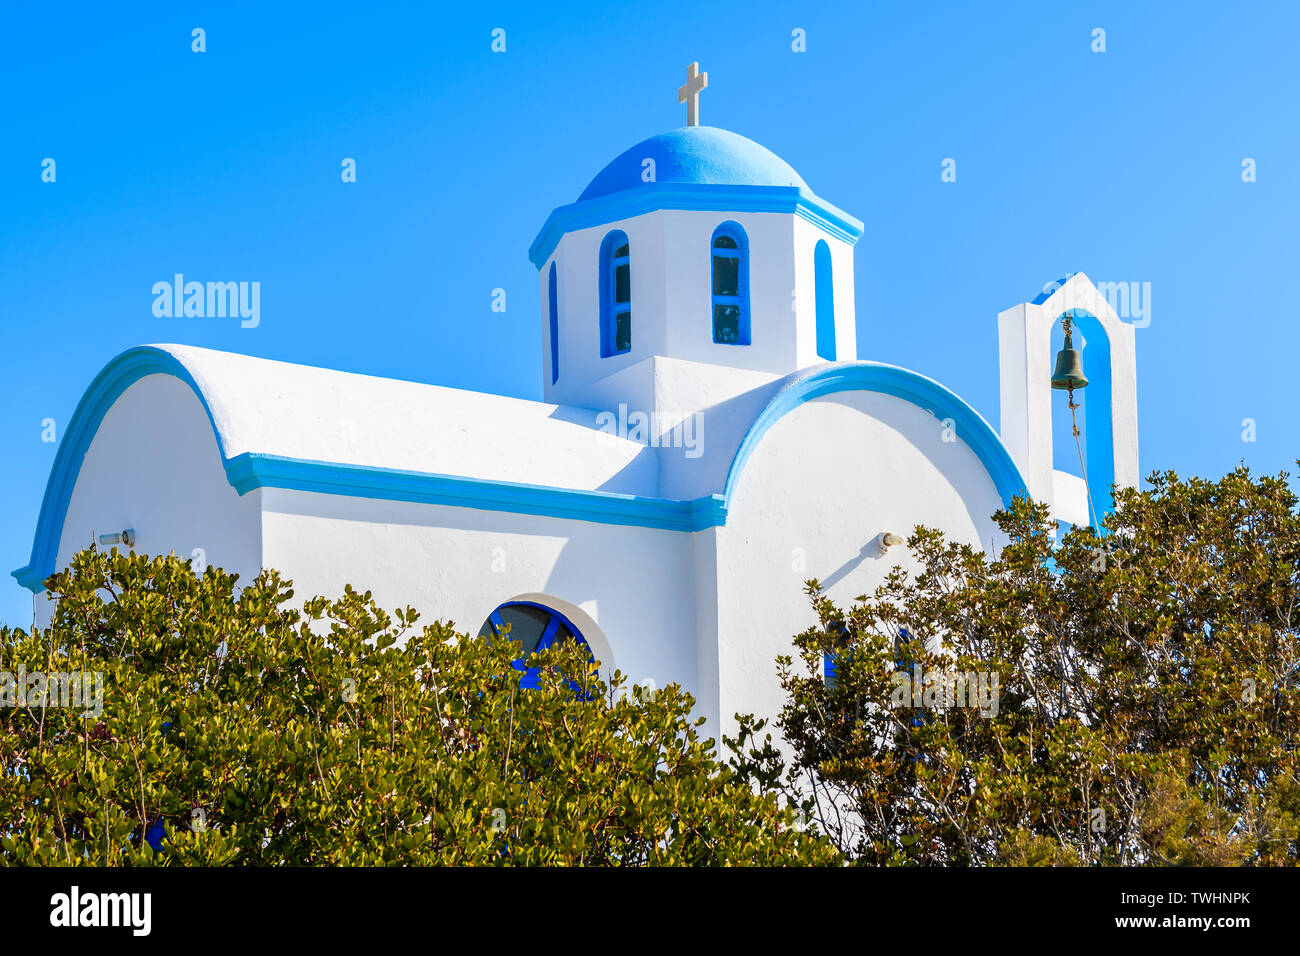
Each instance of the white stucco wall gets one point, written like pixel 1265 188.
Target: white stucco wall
pixel 636 585
pixel 671 282
pixel 1026 365
pixel 154 466
pixel 825 481
pixel 806 237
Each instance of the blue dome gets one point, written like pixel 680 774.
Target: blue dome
pixel 696 154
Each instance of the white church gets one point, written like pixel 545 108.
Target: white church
pixel 708 440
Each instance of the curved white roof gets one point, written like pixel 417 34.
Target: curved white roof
pixel 299 411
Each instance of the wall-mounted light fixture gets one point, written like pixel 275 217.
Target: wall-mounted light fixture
pixel 126 537
pixel 889 540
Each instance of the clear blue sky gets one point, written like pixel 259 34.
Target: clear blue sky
pixel 225 165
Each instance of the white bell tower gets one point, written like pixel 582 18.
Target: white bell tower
pixel 1109 421
pixel 695 266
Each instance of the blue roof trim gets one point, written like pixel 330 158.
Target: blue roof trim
pixel 250 470
pixel 902 383
pixel 122 372
pixel 650 197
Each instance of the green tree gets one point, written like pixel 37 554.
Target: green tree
pixel 1146 708
pixel 261 733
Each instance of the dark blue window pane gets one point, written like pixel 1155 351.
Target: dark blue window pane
pixel 726 275
pixel 623 332
pixel 725 242
pixel 562 636
pixel 726 323
pixel 622 283
pixel 527 624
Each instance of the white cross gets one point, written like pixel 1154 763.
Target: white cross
pixel 690 93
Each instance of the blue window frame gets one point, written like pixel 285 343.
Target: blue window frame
pixel 831 659
pixel 824 288
pixel 535 627
pixel 155 832
pixel 843 639
pixel 729 251
pixel 554 303
pixel 615 294
pixel 901 640
pixel 156 835
pixel 900 664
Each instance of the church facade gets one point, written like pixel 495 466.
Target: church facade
pixel 708 440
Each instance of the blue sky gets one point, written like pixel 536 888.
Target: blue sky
pixel 225 165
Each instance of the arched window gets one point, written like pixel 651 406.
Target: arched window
pixel 825 293
pixel 730 252
pixel 553 302
pixel 534 627
pixel 615 294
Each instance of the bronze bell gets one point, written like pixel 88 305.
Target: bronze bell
pixel 1069 367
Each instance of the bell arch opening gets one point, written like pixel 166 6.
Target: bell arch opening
pixel 1095 416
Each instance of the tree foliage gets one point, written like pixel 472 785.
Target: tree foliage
pixel 1147 707
pixel 257 732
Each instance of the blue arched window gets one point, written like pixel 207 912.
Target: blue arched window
pixel 825 292
pixel 615 294
pixel 730 254
pixel 554 303
pixel 534 627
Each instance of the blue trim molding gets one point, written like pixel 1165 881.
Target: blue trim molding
pixel 902 383
pixel 608 263
pixel 553 320
pixel 251 470
pixel 824 300
pixel 121 373
pixel 650 197
pixel 736 233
